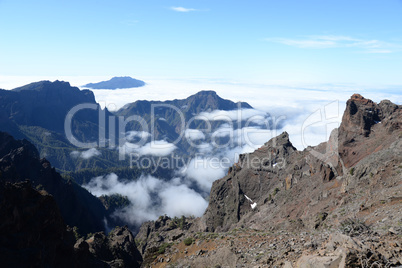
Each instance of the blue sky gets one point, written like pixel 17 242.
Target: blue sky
pixel 311 41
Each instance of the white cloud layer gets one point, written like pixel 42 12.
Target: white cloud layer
pixel 233 115
pixel 86 154
pixel 150 197
pixel 132 135
pixel 153 148
pixel 194 134
pixel 204 171
pixel 157 148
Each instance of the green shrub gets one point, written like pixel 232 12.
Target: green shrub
pixel 352 171
pixel 188 241
pixel 178 222
pixel 163 248
pixel 276 190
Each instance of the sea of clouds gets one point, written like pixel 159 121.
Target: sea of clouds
pixel 308 112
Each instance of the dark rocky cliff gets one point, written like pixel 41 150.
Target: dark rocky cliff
pixel 19 161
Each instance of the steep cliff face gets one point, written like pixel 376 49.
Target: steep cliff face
pixel 249 182
pixel 19 161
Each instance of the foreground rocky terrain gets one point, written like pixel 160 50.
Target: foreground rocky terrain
pixel 338 204
pixel 33 230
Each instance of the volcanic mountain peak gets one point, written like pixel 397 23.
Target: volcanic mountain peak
pixel 117 82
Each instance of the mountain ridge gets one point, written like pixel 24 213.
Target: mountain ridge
pixel 204 100
pixel 37 112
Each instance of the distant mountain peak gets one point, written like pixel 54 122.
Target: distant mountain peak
pixel 205 100
pixel 205 92
pixel 117 82
pixel 209 99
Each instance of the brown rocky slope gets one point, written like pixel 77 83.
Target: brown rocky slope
pixel 338 204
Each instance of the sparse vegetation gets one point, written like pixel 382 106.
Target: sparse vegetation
pixel 353 227
pixel 163 248
pixel 76 232
pixel 139 242
pixel 89 235
pixel 178 222
pixel 352 171
pixel 114 201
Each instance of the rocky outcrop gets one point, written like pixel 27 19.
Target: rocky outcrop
pixel 164 230
pixel 118 248
pixel 19 161
pixel 360 115
pixel 249 181
pixel 367 127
